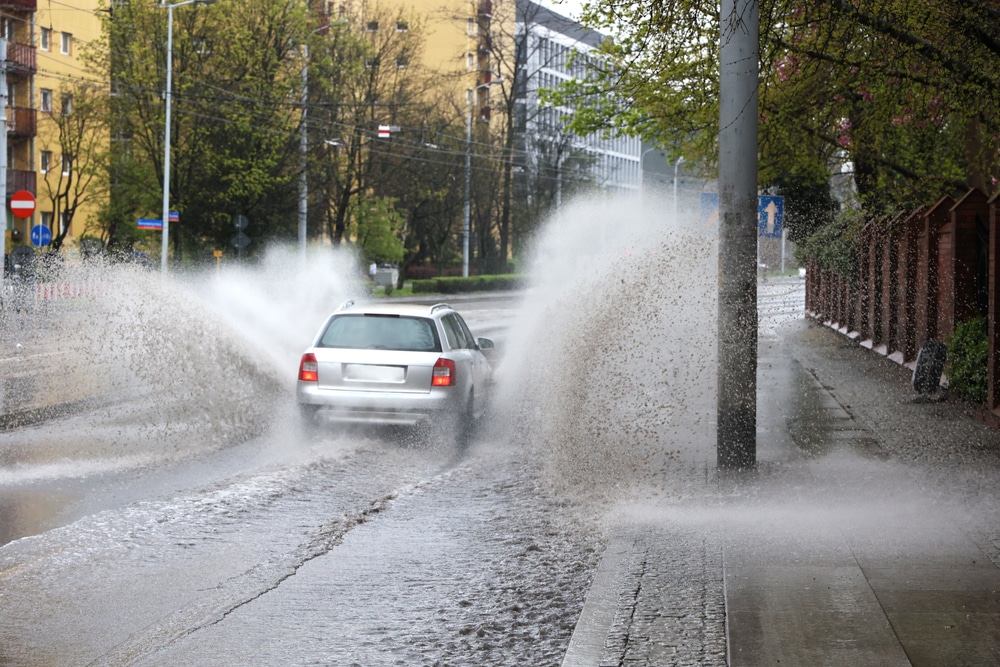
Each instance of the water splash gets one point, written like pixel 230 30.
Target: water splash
pixel 609 368
pixel 189 362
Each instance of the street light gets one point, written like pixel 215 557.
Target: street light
pixel 676 165
pixel 166 132
pixel 468 176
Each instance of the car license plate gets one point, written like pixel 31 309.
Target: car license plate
pixel 368 373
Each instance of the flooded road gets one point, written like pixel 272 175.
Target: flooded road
pixel 170 514
pixel 146 523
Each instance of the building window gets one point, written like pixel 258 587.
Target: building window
pixel 372 26
pixel 472 27
pixel 402 61
pixel 371 62
pixel 67 104
pixel 45 39
pixel 46 105
pixel 63 221
pixel 66 42
pixel 46 219
pixel 470 62
pixel 402 26
pixel 46 162
pixel 67 165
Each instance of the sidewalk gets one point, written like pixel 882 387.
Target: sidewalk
pixel 867 535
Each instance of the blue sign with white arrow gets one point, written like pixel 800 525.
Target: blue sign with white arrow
pixel 770 216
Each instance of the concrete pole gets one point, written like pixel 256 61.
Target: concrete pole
pixel 467 209
pixel 677 166
pixel 303 149
pixel 3 159
pixel 166 140
pixel 737 327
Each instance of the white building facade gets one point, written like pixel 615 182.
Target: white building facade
pixel 553 49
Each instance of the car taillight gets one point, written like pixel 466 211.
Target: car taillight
pixel 308 368
pixel 444 373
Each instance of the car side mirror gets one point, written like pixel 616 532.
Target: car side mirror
pixel 486 343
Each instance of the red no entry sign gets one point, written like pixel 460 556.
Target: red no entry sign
pixel 22 204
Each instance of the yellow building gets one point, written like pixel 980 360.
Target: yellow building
pixel 46 41
pixel 61 32
pixel 461 38
pixel 43 63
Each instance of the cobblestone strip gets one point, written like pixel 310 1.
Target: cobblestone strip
pixel 672 609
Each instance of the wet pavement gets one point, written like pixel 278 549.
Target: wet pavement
pixel 867 535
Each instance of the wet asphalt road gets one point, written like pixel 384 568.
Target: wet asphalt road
pixel 190 536
pixel 274 550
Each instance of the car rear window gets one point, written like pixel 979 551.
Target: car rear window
pixel 381 332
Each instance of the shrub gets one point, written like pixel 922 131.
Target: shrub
pixel 463 285
pixel 967 350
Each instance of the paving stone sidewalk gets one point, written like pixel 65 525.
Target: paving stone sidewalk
pixel 866 535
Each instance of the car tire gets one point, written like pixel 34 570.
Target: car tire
pixel 465 424
pixel 307 419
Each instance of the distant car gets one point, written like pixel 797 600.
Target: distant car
pixel 395 364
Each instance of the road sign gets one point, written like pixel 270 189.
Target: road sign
pixel 240 222
pixel 240 241
pixel 41 236
pixel 710 209
pixel 770 216
pixel 22 204
pixel 150 223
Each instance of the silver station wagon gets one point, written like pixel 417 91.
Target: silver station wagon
pixel 395 364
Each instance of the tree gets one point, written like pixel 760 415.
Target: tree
pixel 74 145
pixel 900 90
pixel 235 71
pixel 366 74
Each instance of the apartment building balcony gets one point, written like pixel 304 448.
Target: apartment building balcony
pixel 22 121
pixel 21 60
pixel 486 9
pixel 19 179
pixel 19 5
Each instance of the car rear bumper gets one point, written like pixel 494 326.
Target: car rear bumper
pixel 378 408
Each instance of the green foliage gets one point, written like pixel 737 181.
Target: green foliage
pixel 232 134
pixel 835 246
pixel 809 205
pixel 470 284
pixel 967 356
pixel 900 95
pixel 378 228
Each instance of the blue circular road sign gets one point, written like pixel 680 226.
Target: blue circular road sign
pixel 41 236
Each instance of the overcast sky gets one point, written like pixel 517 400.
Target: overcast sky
pixel 570 8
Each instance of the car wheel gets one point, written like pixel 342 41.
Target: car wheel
pixel 465 424
pixel 307 418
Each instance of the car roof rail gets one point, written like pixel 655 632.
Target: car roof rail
pixel 440 306
pixel 347 304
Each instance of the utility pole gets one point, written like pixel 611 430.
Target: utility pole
pixel 304 154
pixel 3 159
pixel 737 327
pixel 467 206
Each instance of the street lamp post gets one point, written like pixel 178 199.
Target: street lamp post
pixel 677 164
pixel 166 131
pixel 467 209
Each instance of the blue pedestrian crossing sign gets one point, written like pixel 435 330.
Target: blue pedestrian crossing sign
pixel 770 214
pixel 41 236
